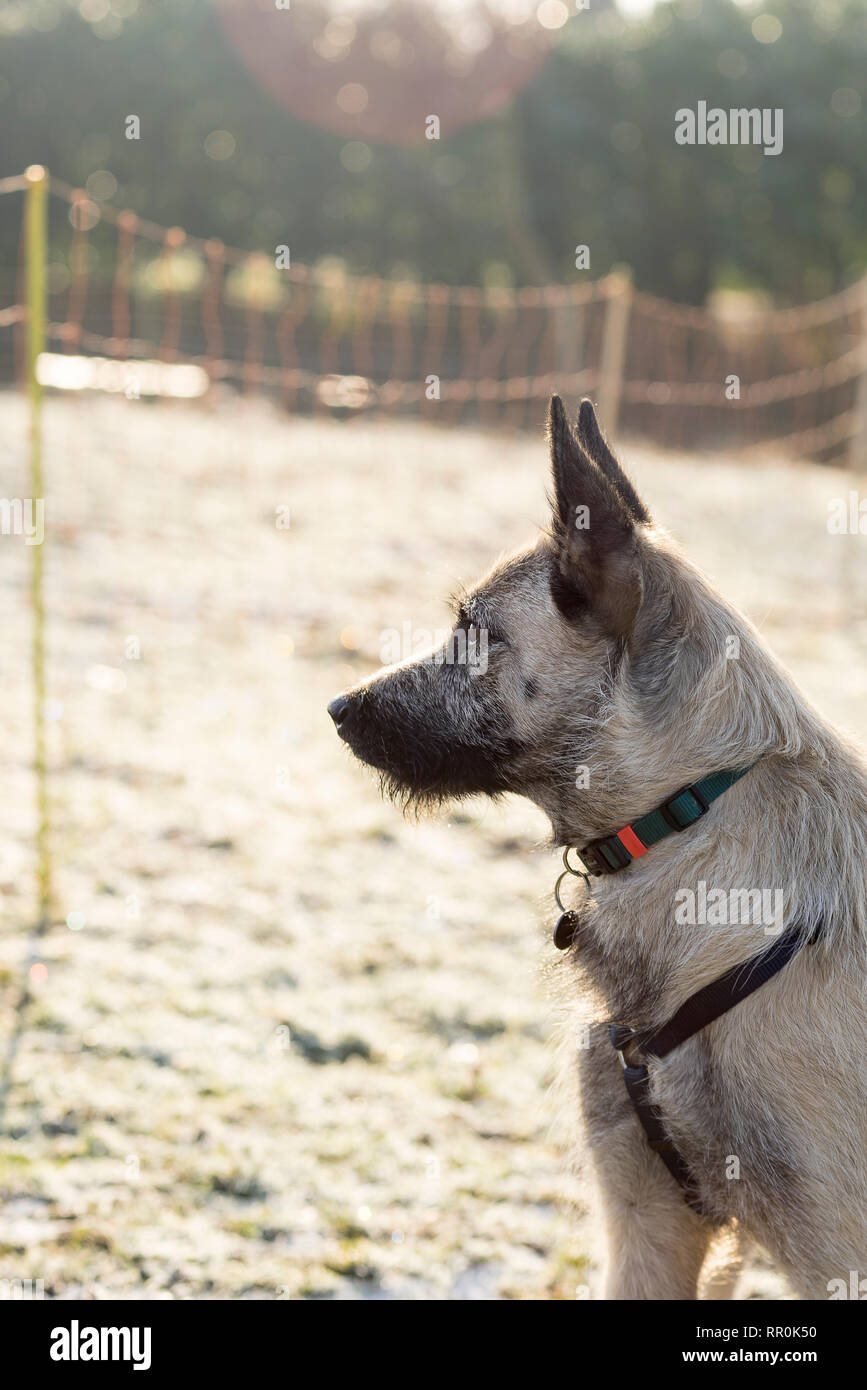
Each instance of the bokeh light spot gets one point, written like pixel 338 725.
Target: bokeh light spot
pixel 101 185
pixel 94 10
pixel 626 137
pixel 352 98
pixel 220 145
pixel 838 185
pixel 731 63
pixel 355 157
pixel 552 14
pixel 766 28
pixel 84 214
pixel 846 102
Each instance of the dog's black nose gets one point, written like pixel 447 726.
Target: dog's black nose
pixel 337 709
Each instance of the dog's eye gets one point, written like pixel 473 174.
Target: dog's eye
pixel 494 635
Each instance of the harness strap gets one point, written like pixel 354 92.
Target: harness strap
pixel 637 1081
pixel 697 1012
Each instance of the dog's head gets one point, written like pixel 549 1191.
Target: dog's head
pixel 518 697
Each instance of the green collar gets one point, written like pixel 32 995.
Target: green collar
pixel 614 852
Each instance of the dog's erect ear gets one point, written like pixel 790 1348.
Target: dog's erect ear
pixel 597 562
pixel 594 443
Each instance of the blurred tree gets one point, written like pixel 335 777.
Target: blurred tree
pixel 584 154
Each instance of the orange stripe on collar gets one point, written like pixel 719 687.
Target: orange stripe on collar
pixel 630 841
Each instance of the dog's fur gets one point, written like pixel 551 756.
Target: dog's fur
pixel 609 650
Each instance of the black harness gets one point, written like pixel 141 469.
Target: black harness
pixel 710 1003
pixel 637 1046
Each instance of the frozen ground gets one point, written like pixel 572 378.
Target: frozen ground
pixel 291 1045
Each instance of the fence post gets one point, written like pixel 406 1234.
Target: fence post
pixel 35 252
pixel 612 357
pixel 858 446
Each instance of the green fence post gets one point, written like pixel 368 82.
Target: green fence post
pixel 35 249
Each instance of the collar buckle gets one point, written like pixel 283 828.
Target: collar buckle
pixel 627 1042
pixel 605 856
pixel 669 816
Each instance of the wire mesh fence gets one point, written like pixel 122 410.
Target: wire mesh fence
pixel 735 374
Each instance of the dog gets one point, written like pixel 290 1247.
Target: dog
pixel 616 675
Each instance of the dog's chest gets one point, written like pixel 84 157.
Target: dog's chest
pixel 617 967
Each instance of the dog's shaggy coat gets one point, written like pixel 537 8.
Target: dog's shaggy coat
pixel 610 652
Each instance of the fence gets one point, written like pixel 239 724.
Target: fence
pixel 98 283
pixel 735 375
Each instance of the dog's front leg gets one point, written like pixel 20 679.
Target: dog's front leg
pixel 656 1243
